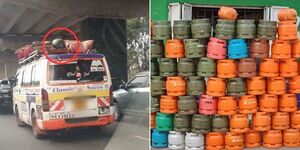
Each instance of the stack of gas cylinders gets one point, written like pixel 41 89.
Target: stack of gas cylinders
pixel 227 89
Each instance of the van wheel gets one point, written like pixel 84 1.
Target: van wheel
pixel 37 132
pixel 117 112
pixel 20 123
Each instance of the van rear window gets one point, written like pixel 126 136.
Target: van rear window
pixel 78 71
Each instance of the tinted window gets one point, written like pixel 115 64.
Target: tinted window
pixel 33 70
pixel 78 71
pixel 35 76
pixel 23 78
pixel 26 81
pixel 138 81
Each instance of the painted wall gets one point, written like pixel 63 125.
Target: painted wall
pixel 159 8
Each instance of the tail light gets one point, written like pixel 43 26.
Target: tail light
pixel 110 95
pixel 45 100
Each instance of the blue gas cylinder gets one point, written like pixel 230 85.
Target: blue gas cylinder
pixel 237 48
pixel 159 138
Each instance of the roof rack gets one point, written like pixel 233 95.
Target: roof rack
pixel 32 52
pixel 32 56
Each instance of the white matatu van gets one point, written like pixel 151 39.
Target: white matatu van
pixel 50 96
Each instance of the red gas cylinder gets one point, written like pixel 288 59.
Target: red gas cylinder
pixel 294 84
pixel 261 121
pixel 295 119
pixel 291 138
pixel 280 120
pixel 268 103
pixel 281 49
pixel 227 105
pixel 259 48
pixel 246 67
pixel 252 139
pixel 296 48
pixel 239 123
pixel 216 48
pixel 287 30
pixel 207 104
pixel 269 67
pixel 272 139
pixel 287 103
pixel 247 104
pixel 256 85
pixel 276 85
pixel 216 87
pixel 288 68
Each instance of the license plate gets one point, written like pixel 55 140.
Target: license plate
pixel 61 115
pixel 104 110
pixel 79 104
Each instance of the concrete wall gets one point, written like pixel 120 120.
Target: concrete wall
pixel 110 40
pixel 8 65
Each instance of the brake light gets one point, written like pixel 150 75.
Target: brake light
pixel 45 100
pixel 111 95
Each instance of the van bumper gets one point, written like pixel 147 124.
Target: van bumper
pixel 62 124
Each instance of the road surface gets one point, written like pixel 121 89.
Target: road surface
pixel 130 133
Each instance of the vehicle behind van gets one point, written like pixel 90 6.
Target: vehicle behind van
pixel 52 97
pixel 5 95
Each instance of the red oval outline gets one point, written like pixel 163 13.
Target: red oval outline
pixel 77 44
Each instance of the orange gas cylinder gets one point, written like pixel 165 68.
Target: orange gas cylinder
pixel 294 84
pixel 239 123
pixel 227 13
pixel 168 104
pixel 281 49
pixel 269 67
pixel 268 103
pixel 214 141
pixel 247 104
pixel 272 139
pixel 226 68
pixel 288 68
pixel 227 105
pixel 256 86
pixel 176 86
pixel 287 30
pixel 280 120
pixel 291 138
pixel 287 103
pixel 234 141
pixel 216 87
pixel 276 85
pixel 153 115
pixel 287 14
pixel 252 139
pixel 261 121
pixel 296 48
pixel 174 49
pixel 295 119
